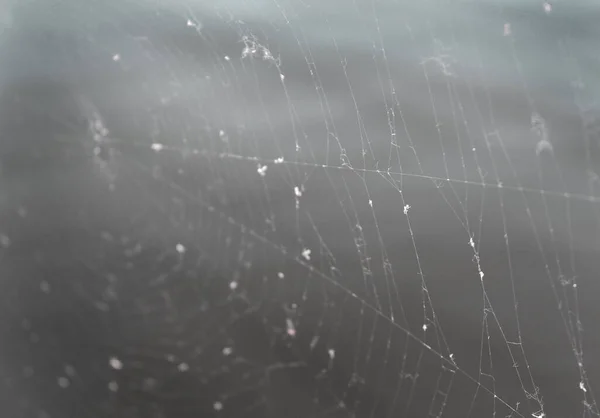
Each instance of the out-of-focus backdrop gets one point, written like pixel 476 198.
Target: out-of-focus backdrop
pixel 299 208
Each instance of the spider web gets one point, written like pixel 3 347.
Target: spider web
pixel 368 209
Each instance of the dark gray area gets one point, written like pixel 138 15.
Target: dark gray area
pixel 299 208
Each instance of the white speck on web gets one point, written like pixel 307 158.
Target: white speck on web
pixel 233 285
pixel 424 327
pixel 291 329
pixel 507 32
pixel 582 386
pixel 227 351
pixel 157 147
pixel 113 386
pixel 406 208
pixel 281 275
pixel 306 254
pixel 116 57
pixel 192 24
pixel 297 191
pixel 547 7
pixel 115 363
pixel 262 170
pixel 279 160
pixel 217 406
pixel 227 58
pixel 180 248
pixel 183 367
pixel 331 353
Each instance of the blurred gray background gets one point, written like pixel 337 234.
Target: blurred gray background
pixel 299 208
